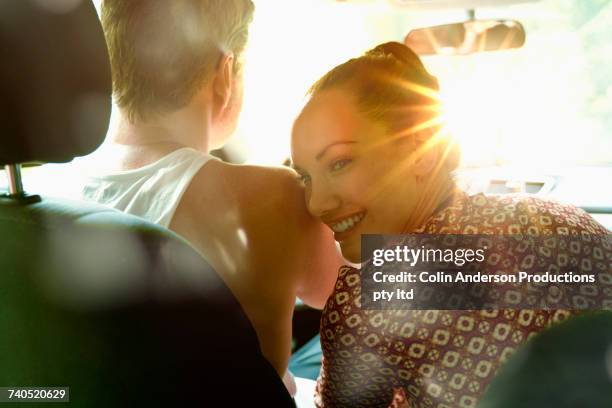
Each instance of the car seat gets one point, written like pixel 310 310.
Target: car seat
pixel 120 310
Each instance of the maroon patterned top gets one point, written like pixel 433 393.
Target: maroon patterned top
pixel 439 358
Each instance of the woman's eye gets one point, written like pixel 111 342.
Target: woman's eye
pixel 340 164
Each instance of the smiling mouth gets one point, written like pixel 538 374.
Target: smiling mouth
pixel 347 224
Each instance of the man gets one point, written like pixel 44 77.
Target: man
pixel 177 80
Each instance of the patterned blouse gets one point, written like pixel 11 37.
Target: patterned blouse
pixel 440 358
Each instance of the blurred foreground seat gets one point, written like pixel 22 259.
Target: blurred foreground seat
pixel 566 366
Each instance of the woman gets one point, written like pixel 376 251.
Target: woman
pixel 372 154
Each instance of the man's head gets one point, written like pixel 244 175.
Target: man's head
pixel 164 52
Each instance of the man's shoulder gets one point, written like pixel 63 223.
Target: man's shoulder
pixel 253 180
pixel 248 186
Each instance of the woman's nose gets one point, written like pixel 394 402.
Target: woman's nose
pixel 321 199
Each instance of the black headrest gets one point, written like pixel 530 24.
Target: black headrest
pixel 123 312
pixel 55 80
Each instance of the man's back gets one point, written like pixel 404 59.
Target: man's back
pixel 152 191
pixel 180 85
pixel 251 224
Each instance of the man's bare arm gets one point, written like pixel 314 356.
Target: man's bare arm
pixel 317 261
pixel 251 225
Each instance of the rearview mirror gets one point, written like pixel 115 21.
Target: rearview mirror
pixel 468 37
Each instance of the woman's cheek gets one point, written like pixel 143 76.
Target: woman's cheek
pixel 351 185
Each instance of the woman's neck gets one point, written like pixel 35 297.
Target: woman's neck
pixel 436 196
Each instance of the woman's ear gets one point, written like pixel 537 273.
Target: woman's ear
pixel 222 83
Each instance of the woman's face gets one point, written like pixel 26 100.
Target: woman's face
pixel 357 179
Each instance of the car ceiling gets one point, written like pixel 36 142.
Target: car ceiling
pixel 445 4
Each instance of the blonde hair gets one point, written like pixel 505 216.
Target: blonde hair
pixel 163 51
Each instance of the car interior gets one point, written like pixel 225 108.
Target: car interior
pixel 126 313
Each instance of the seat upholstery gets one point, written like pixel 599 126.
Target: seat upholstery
pixel 122 311
pixel 55 77
pixel 566 366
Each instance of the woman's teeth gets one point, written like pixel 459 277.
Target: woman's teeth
pixel 347 223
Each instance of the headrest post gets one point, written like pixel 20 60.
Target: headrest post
pixel 13 172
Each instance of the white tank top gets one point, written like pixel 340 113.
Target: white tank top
pixel 153 191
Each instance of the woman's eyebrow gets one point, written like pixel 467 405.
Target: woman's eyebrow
pixel 322 153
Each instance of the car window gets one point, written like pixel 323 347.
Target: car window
pixel 547 105
pixel 548 102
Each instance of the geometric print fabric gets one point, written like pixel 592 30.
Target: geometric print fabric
pixel 440 358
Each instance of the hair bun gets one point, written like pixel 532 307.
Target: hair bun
pixel 400 52
pixel 405 56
